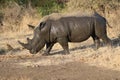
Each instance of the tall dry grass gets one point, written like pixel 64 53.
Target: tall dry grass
pixel 17 17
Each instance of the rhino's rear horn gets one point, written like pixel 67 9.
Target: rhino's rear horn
pixel 29 40
pixel 27 46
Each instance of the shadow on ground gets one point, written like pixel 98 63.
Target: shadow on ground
pixel 115 43
pixel 5 51
pixel 2 51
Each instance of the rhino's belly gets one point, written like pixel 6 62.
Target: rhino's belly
pixel 78 38
pixel 80 33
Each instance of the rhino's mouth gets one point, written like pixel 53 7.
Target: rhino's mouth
pixel 28 46
pixel 33 48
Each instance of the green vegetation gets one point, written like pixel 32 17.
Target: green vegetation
pixel 44 7
pixel 49 6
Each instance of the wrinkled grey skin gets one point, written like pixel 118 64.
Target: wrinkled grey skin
pixel 67 29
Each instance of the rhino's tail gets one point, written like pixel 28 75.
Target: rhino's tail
pixel 108 24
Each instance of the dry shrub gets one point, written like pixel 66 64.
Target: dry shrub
pixel 27 19
pixel 12 16
pixel 17 17
pixel 114 19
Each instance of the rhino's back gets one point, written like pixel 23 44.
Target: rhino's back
pixel 76 29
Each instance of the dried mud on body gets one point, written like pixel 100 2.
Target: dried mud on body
pixel 83 63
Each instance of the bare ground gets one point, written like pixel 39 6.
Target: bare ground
pixel 84 62
pixel 69 71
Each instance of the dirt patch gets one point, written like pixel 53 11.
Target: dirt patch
pixel 69 71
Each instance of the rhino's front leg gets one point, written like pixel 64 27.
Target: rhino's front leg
pixel 48 48
pixel 64 43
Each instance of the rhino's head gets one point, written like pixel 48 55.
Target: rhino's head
pixel 35 44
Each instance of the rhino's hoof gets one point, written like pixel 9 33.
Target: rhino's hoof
pixel 66 53
pixel 45 54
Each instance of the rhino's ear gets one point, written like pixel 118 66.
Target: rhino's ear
pixel 42 24
pixel 31 26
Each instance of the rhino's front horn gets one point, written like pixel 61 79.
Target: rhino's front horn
pixel 27 46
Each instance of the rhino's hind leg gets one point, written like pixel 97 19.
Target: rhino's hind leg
pixel 106 40
pixel 101 32
pixel 64 43
pixel 96 41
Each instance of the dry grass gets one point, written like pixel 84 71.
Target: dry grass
pixel 16 18
pixel 103 57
